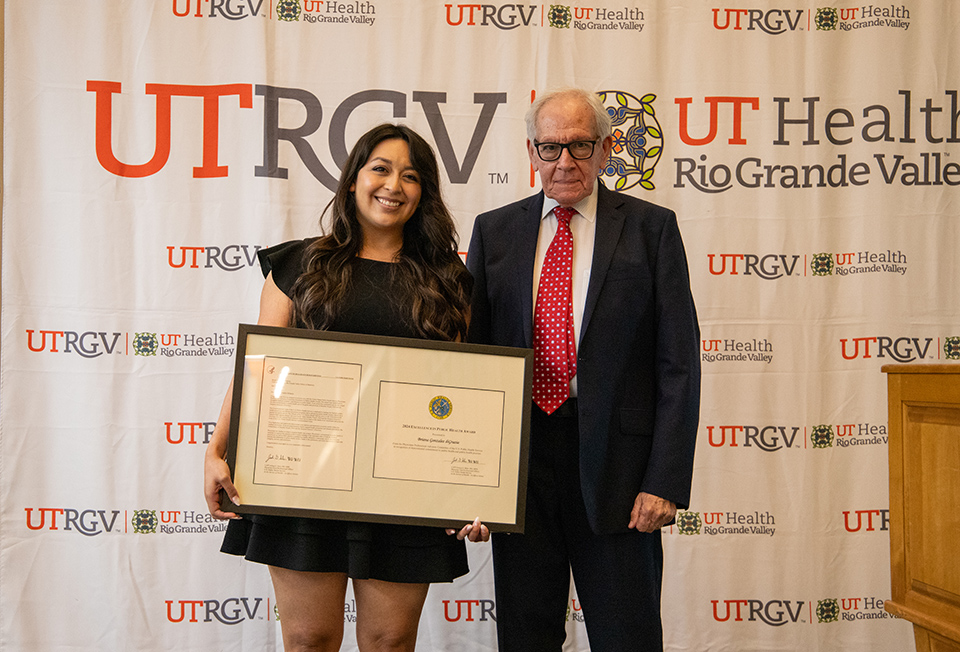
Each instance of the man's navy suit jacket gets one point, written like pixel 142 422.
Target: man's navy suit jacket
pixel 638 366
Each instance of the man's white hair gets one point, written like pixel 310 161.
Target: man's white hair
pixel 602 126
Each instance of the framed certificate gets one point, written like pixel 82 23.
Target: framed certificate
pixel 382 429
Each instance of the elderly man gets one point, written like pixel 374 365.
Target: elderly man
pixel 596 282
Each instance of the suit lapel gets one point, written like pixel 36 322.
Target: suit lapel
pixel 609 226
pixel 526 237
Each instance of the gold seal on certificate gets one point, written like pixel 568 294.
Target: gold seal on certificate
pixel 441 407
pixel 358 427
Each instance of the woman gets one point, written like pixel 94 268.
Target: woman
pixel 389 266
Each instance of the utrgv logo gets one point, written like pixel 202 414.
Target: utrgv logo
pixel 772 612
pixel 768 267
pixel 901 349
pixel 458 171
pixel 771 21
pixel 504 17
pixel 199 432
pixel 231 611
pixel 486 608
pixel 867 524
pixel 90 344
pixel 766 438
pixel 229 9
pixel 229 258
pixel 89 522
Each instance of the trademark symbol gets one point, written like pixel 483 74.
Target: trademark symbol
pixel 496 178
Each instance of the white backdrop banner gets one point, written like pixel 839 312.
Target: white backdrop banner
pixel 812 153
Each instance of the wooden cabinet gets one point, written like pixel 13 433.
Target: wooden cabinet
pixel 924 458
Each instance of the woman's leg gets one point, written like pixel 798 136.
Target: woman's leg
pixel 311 609
pixel 388 614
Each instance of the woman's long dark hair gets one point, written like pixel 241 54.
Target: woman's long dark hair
pixel 428 275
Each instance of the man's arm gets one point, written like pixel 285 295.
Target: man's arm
pixel 479 331
pixel 669 472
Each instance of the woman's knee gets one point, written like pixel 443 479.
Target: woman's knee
pixel 310 639
pixel 379 638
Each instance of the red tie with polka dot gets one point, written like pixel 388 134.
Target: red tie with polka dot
pixel 554 342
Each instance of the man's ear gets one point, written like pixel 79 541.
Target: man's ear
pixel 532 155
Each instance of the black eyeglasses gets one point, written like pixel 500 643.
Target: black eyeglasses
pixel 579 149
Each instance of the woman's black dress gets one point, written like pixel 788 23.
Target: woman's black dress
pixel 394 553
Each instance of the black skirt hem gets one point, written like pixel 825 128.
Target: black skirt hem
pixel 362 551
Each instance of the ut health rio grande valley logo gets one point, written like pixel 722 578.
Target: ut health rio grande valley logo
pixel 559 16
pixel 826 19
pixel 828 611
pixel 288 10
pixel 821 265
pixel 688 522
pixel 951 348
pixel 441 407
pixel 822 436
pixel 637 140
pixel 145 344
pixel 144 521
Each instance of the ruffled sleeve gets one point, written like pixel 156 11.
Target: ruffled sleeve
pixel 285 261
